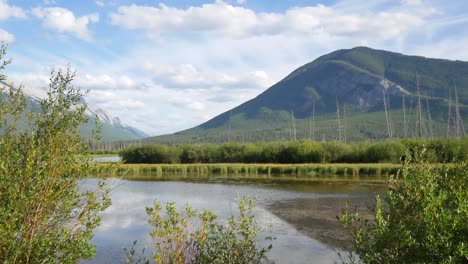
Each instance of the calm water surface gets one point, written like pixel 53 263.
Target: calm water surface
pixel 112 158
pixel 300 216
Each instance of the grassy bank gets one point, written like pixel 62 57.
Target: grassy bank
pixel 306 172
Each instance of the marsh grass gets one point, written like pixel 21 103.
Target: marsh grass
pixel 378 172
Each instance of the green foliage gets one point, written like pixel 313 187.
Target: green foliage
pixel 44 216
pixel 422 219
pixel 335 150
pixel 305 151
pixel 385 152
pixel 177 241
pixel 301 152
pixel 150 154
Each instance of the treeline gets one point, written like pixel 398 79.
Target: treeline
pixel 437 150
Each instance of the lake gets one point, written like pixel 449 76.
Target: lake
pixel 301 217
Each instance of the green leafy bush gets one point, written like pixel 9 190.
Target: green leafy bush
pixel 385 152
pixel 44 216
pixel 306 151
pixel 176 241
pixel 422 219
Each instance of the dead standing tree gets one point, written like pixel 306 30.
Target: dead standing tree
pixel 460 129
pixel 340 137
pixel 419 124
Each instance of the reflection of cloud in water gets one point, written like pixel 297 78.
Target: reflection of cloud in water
pixel 126 220
pixel 124 212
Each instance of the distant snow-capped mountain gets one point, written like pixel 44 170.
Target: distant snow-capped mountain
pixel 106 118
pixel 110 123
pixel 112 128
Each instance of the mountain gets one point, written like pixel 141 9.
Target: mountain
pixel 357 80
pixel 112 128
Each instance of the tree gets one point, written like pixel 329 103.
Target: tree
pixel 45 216
pixel 422 218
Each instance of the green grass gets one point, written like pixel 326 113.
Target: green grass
pixel 296 172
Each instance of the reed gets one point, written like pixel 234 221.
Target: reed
pixel 344 172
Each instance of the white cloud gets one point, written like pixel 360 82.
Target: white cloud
pixel 64 21
pixel 241 1
pixel 6 37
pixel 105 82
pixel 187 103
pixel 217 17
pixel 35 84
pixel 7 11
pixel 187 76
pixel 111 101
pixel 223 19
pixel 412 2
pixel 49 2
pixel 99 3
pixel 448 48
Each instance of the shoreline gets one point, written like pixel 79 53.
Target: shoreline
pixel 332 172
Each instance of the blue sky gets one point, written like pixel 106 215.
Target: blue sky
pixel 167 66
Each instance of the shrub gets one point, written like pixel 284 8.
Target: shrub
pixel 335 151
pixel 422 219
pixel 270 152
pixel 438 150
pixel 390 151
pixel 232 152
pixel 44 216
pixel 357 154
pixel 176 242
pixel 150 154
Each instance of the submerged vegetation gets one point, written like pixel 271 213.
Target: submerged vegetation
pixel 422 218
pixel 438 151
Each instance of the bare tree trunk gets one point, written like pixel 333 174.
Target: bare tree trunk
pixel 344 123
pixel 313 122
pixel 338 119
pixel 449 117
pixel 410 124
pixel 429 117
pixel 293 125
pixel 389 133
pixel 229 126
pixel 420 126
pixel 459 121
pixel 404 117
pixel 390 117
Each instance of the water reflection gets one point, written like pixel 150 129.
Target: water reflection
pixel 289 212
pixel 106 159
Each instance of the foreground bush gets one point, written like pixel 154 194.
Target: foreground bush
pixel 177 241
pixel 422 219
pixel 44 216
